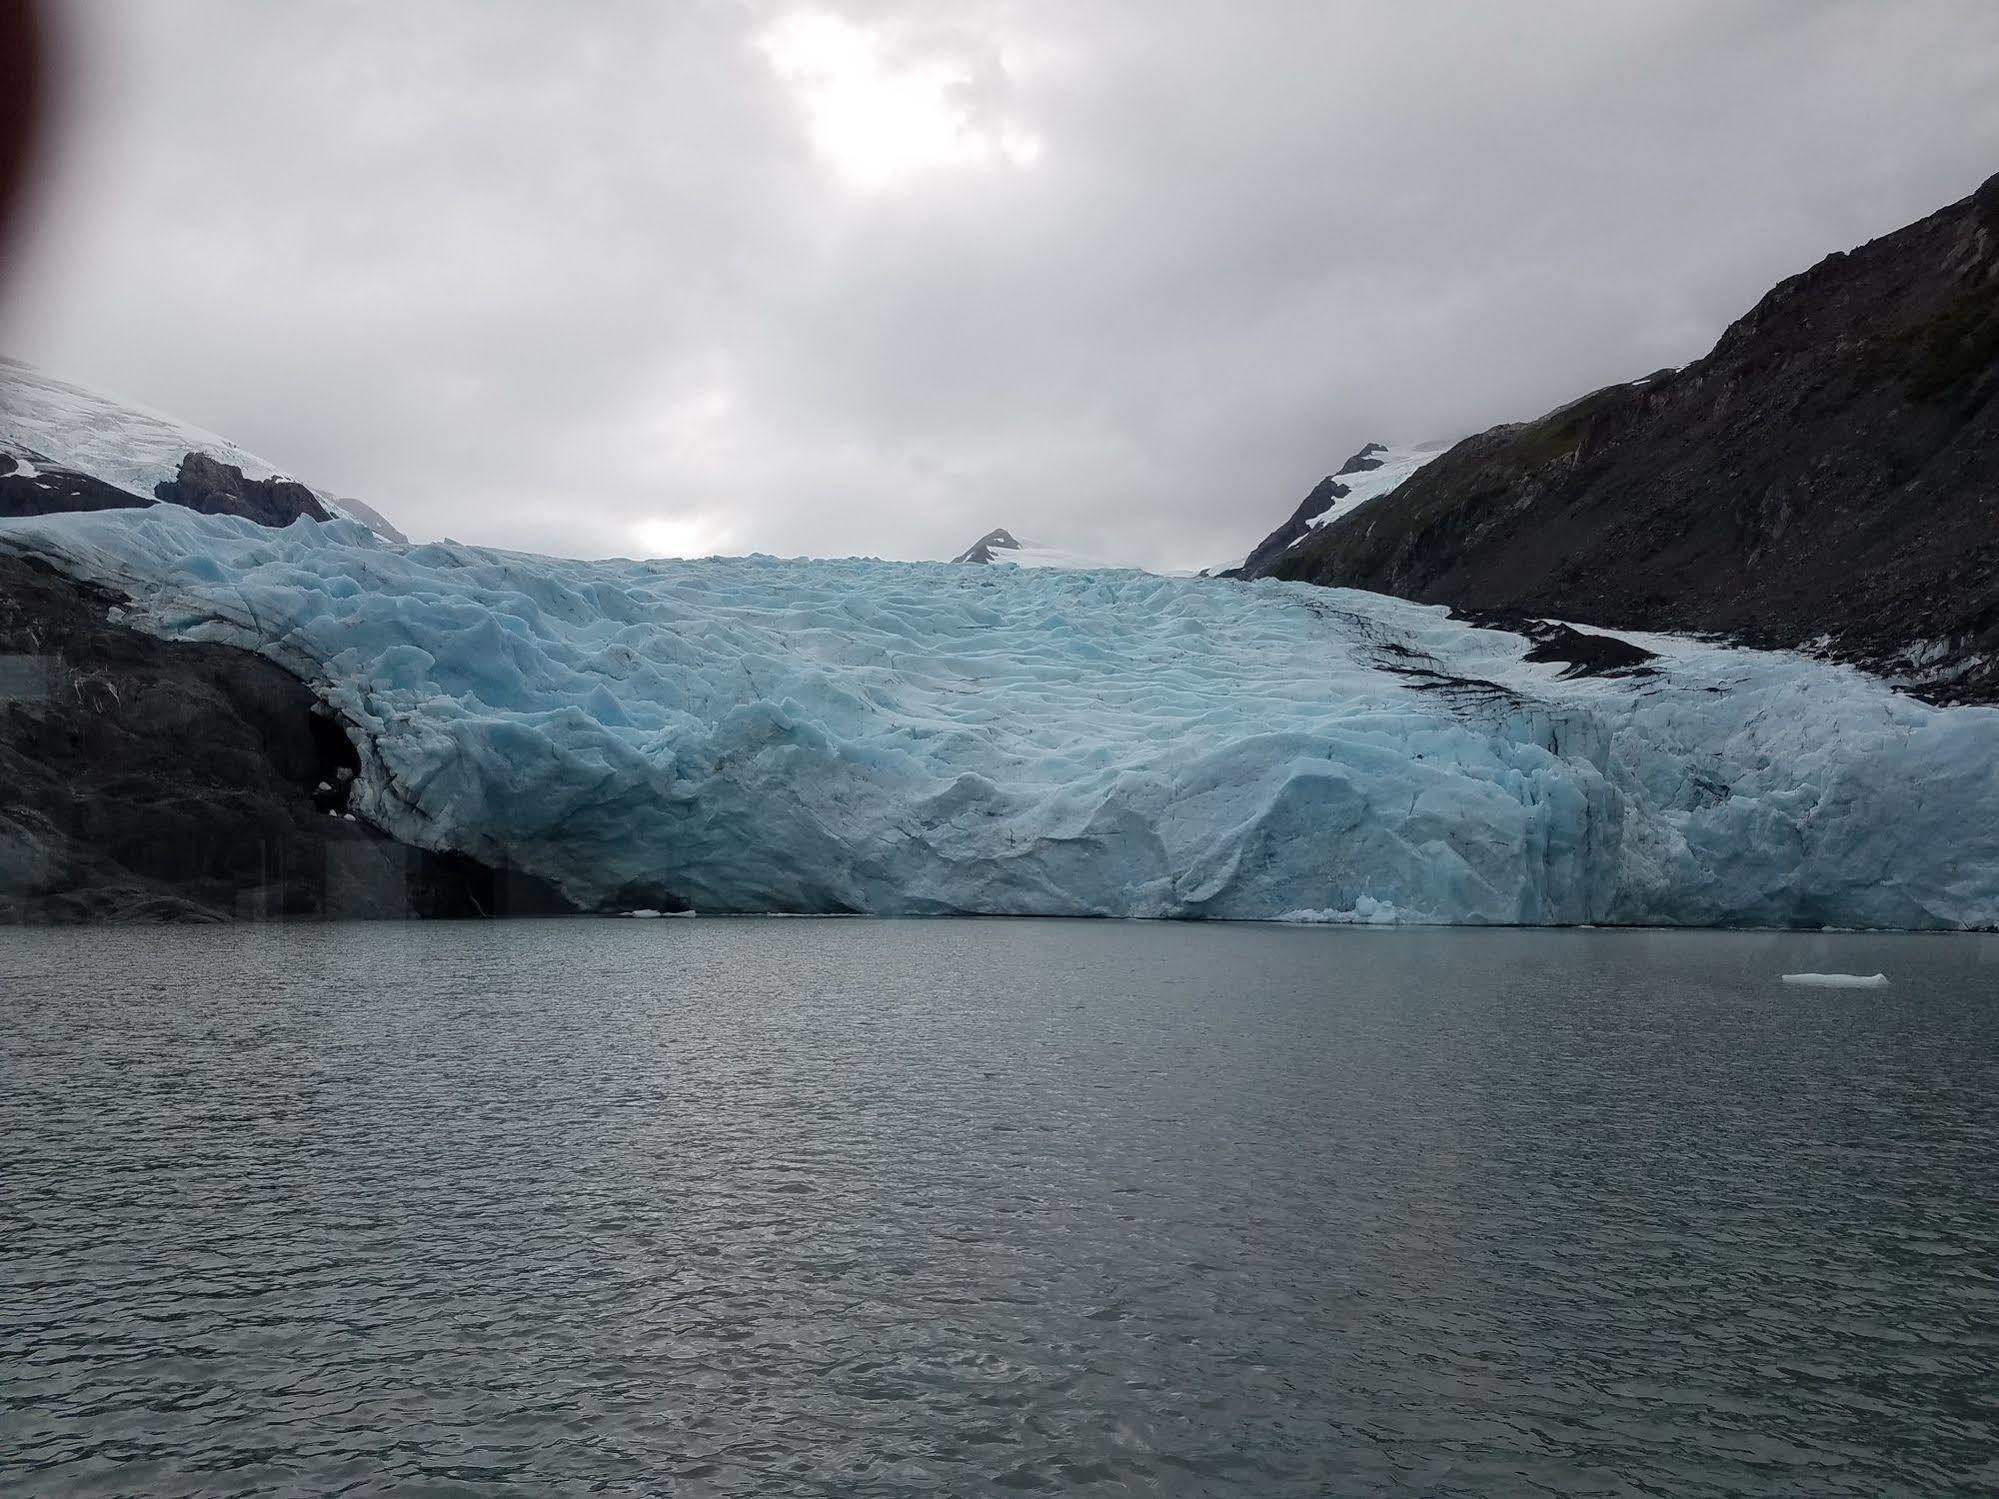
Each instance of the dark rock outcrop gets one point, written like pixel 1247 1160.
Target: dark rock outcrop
pixel 216 488
pixel 1828 474
pixel 154 780
pixel 31 487
pixel 1581 652
pixel 997 540
pixel 1361 462
pixel 1325 494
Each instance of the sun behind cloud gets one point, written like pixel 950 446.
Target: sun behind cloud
pixel 682 536
pixel 878 118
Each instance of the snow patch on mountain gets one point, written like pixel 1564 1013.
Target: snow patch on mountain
pixel 126 446
pixel 752 734
pixel 1368 474
pixel 1390 467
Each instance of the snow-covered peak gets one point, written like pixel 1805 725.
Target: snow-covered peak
pixel 49 421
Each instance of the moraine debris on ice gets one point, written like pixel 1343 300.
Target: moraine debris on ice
pixel 750 734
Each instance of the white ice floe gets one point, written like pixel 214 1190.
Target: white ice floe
pixel 1839 980
pixel 1366 911
pixel 750 734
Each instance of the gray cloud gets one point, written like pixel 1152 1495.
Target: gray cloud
pixel 578 277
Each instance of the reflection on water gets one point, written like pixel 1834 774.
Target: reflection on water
pixel 850 1207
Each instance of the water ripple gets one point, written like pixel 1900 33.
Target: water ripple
pixel 858 1208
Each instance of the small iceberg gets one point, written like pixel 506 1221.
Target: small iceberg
pixel 1839 980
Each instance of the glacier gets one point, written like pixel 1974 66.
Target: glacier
pixel 754 734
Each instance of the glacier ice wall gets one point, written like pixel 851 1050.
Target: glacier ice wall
pixel 755 734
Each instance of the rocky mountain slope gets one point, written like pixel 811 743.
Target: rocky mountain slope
pixel 29 485
pixel 66 448
pixel 160 780
pixel 1827 476
pixel 1373 471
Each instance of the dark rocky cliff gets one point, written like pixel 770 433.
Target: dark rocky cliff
pixel 30 488
pixel 1828 473
pixel 153 780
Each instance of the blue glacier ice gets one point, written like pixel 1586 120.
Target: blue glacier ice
pixel 752 734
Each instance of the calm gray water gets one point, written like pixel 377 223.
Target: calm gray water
pixel 846 1207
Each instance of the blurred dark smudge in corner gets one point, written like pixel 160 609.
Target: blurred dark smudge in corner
pixel 23 97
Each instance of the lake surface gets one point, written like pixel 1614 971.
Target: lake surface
pixel 855 1207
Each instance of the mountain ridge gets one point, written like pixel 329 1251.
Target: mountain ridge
pixel 1827 476
pixel 1374 470
pixel 64 447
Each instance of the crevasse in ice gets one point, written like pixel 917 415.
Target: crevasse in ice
pixel 755 734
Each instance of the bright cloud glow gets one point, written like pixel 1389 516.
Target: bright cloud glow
pixel 880 119
pixel 682 536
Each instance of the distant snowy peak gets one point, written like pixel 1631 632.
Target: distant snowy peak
pixel 1001 545
pixel 1373 471
pixel 997 540
pixel 79 446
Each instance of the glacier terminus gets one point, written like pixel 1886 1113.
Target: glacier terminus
pixel 754 734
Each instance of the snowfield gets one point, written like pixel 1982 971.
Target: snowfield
pixel 1001 548
pixel 751 734
pixel 1397 464
pixel 1026 555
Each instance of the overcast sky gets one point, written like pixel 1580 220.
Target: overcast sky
pixel 1126 276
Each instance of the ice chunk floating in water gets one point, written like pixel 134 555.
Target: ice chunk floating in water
pixel 751 734
pixel 1839 980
